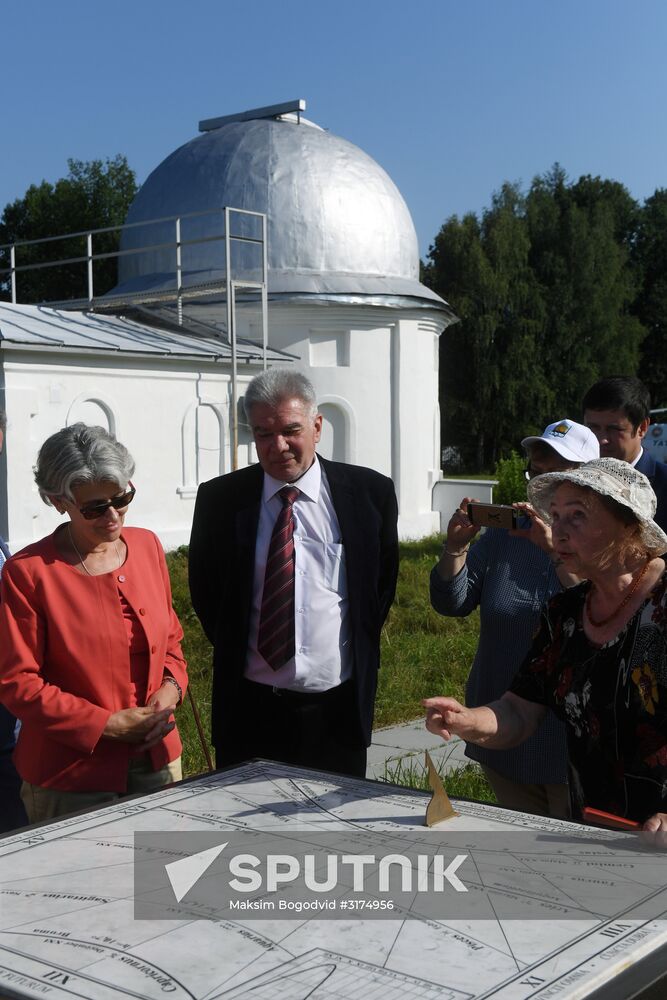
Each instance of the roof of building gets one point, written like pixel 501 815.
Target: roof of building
pixel 337 224
pixel 24 326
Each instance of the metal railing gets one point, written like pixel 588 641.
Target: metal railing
pixel 179 292
pixel 230 285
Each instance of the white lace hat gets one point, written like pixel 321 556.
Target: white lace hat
pixel 611 478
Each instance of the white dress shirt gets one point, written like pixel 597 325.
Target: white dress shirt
pixel 323 653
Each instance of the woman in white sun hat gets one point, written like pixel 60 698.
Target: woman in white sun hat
pixel 510 575
pixel 599 661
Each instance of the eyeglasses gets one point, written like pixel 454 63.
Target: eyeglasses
pixel 92 510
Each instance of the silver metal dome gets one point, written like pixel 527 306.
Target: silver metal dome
pixel 337 225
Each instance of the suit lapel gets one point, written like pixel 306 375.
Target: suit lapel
pixel 246 522
pixel 341 495
pixel 345 505
pixel 646 464
pixel 247 519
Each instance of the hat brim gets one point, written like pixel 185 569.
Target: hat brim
pixel 558 446
pixel 542 488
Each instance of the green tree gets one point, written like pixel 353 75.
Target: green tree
pixel 581 238
pixel 544 285
pixel 511 479
pixel 94 195
pixel 487 361
pixel 651 303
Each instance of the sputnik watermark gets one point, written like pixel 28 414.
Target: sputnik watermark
pixel 426 875
pixel 252 874
pixel 316 875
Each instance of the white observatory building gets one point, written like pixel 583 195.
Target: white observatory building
pixel 344 296
pixel 341 278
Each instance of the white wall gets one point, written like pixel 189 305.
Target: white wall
pixel 152 408
pixel 376 372
pixel 374 368
pixel 448 493
pixel 383 376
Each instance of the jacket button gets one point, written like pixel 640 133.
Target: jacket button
pixel 153 649
pixel 142 611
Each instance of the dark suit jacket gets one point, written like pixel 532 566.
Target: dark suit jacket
pixel 7 720
pixel 656 473
pixel 12 812
pixel 222 552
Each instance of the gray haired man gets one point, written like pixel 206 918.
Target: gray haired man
pixel 293 566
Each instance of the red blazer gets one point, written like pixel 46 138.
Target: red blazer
pixel 65 665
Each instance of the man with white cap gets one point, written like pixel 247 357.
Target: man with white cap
pixel 509 575
pixel 571 441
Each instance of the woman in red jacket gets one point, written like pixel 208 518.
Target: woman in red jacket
pixel 90 655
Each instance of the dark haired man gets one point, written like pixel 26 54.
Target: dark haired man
pixel 617 410
pixel 12 813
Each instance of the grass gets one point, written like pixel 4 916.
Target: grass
pixel 422 654
pixel 465 782
pixel 197 650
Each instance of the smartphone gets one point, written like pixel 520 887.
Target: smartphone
pixel 492 515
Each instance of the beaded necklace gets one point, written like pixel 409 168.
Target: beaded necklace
pixel 601 622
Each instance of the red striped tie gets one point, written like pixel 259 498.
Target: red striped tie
pixel 275 639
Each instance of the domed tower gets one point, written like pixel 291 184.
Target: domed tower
pixel 343 282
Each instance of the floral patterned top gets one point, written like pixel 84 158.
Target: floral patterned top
pixel 612 698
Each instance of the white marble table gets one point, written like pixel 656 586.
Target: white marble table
pixel 67 927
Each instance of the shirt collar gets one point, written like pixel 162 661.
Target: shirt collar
pixel 641 452
pixel 309 484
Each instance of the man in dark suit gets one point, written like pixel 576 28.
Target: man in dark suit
pixel 617 410
pixel 293 567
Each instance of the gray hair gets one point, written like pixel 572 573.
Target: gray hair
pixel 80 454
pixel 275 385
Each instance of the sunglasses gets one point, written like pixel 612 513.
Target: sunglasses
pixel 92 510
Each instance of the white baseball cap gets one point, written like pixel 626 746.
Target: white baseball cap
pixel 572 441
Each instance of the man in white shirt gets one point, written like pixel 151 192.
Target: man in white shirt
pixel 293 567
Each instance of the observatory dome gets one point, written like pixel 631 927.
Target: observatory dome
pixel 337 224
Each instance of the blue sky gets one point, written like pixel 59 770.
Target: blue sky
pixel 450 98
